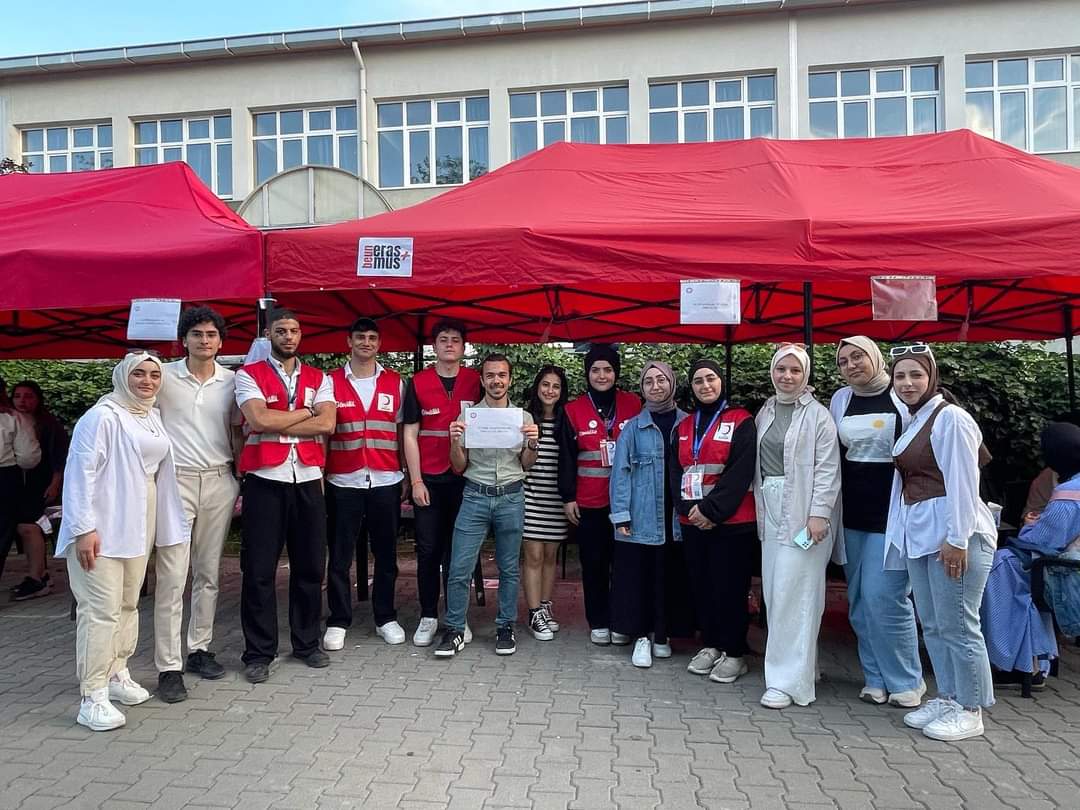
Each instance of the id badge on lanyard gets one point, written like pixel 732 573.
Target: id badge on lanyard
pixel 607 452
pixel 692 483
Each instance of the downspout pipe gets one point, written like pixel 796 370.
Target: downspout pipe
pixel 361 122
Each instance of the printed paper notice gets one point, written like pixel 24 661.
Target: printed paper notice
pixel 714 301
pixel 493 428
pixel 904 298
pixel 386 256
pixel 153 319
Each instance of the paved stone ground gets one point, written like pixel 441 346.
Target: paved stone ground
pixel 561 724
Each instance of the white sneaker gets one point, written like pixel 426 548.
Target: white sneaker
pixel 391 633
pixel 333 638
pixel 932 710
pixel 909 699
pixel 872 694
pixel 123 689
pixel 958 724
pixel 727 670
pixel 425 632
pixel 601 636
pixel 98 714
pixel 775 699
pixel 642 656
pixel 619 638
pixel 704 661
pixel 661 650
pixel 468 633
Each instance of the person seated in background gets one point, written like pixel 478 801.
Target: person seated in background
pixel 1043 484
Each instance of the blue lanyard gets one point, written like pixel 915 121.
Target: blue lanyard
pixel 608 423
pixel 695 442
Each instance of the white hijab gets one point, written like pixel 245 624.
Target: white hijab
pixel 799 353
pixel 122 394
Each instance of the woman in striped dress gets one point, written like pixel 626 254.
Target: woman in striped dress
pixel 545 520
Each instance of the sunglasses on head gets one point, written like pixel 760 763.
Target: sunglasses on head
pixel 791 345
pixel 914 348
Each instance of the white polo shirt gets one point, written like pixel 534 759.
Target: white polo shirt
pixel 199 416
pixel 365 477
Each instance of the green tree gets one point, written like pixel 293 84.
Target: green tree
pixel 9 166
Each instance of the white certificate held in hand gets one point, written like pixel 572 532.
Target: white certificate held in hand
pixel 493 428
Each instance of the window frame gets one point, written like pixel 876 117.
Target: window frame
pixel 26 156
pixel 712 105
pixel 910 95
pixel 305 132
pixel 538 119
pixel 159 146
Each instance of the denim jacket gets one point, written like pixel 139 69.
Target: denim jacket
pixel 637 482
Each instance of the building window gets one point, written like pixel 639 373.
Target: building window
pixel 875 103
pixel 204 142
pixel 78 148
pixel 449 134
pixel 728 109
pixel 585 115
pixel 317 136
pixel 1032 103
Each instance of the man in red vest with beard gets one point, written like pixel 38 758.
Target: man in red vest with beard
pixel 363 485
pixel 434 398
pixel 287 408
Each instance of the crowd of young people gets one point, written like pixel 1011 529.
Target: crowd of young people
pixel 884 481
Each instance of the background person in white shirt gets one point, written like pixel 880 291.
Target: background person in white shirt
pixel 363 486
pixel 198 407
pixel 288 407
pixel 120 499
pixel 19 450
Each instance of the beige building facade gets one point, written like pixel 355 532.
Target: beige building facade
pixel 318 126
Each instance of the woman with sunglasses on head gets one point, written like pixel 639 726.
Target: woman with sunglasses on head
pixel 940 529
pixel 796 493
pixel 869 419
pixel 120 499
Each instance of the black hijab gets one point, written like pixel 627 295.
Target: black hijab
pixel 603 400
pixel 706 410
pixel 1061 449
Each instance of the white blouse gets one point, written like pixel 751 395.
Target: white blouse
pixel 919 529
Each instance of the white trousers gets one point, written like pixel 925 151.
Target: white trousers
pixel 793 584
pixel 107 614
pixel 208 497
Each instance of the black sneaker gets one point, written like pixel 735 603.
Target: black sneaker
pixel 505 642
pixel 170 687
pixel 260 671
pixel 453 642
pixel 203 663
pixel 31 589
pixel 316 659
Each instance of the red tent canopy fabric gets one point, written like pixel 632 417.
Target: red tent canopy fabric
pixel 581 242
pixel 75 248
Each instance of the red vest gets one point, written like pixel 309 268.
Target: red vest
pixel 592 475
pixel 365 438
pixel 267 449
pixel 437 411
pixel 713 455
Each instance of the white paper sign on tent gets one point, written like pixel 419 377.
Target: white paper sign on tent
pixel 153 319
pixel 712 301
pixel 904 298
pixel 385 256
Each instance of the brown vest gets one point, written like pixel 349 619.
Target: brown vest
pixel 918 467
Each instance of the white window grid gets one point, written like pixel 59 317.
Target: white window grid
pixel 911 96
pixel 682 110
pixel 343 131
pixel 169 138
pixel 1070 81
pixel 53 148
pixel 608 119
pixel 473 166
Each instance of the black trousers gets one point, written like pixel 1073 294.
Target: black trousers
pixel 277 515
pixel 638 590
pixel 434 533
pixel 720 562
pixel 356 517
pixel 11 490
pixel 596 540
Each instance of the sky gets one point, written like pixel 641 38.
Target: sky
pixel 66 25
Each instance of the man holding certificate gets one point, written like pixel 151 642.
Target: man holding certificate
pixel 492 444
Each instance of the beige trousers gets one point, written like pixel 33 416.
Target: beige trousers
pixel 107 618
pixel 208 496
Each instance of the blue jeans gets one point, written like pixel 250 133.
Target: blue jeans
pixel 949 612
pixel 881 614
pixel 504 516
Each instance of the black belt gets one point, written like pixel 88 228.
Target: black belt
pixel 494 491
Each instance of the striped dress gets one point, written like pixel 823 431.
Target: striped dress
pixel 544 517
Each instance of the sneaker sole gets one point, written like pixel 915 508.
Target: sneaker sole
pixel 660 655
pixel 727 678
pixel 333 647
pixel 875 702
pixel 118 699
pixel 510 651
pixel 606 643
pixel 967 735
pixel 270 670
pixel 693 671
pixel 917 726
pixel 641 664
pixel 389 640
pixel 449 653
pixel 35 595
pixel 776 706
pixel 549 636
pixel 216 676
pixel 422 643
pixel 173 698
pixel 98 726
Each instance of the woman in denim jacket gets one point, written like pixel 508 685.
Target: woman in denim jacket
pixel 641 509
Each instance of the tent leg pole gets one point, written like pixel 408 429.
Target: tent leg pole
pixel 262 315
pixel 808 325
pixel 727 364
pixel 418 355
pixel 1070 360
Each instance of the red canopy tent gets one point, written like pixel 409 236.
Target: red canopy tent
pixel 580 242
pixel 75 248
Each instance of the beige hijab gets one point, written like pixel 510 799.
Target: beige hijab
pixel 799 353
pixel 122 394
pixel 880 379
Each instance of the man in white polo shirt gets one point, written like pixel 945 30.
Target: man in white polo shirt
pixel 198 407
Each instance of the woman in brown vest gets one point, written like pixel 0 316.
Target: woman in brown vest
pixel 944 534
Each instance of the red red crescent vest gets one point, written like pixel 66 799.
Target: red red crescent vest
pixel 437 411
pixel 589 427
pixel 712 457
pixel 365 438
pixel 267 449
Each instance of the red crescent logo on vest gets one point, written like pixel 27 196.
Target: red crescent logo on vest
pixel 592 423
pixel 622 424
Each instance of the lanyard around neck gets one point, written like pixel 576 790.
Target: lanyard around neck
pixel 290 393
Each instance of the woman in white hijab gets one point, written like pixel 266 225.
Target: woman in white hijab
pixel 796 490
pixel 120 497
